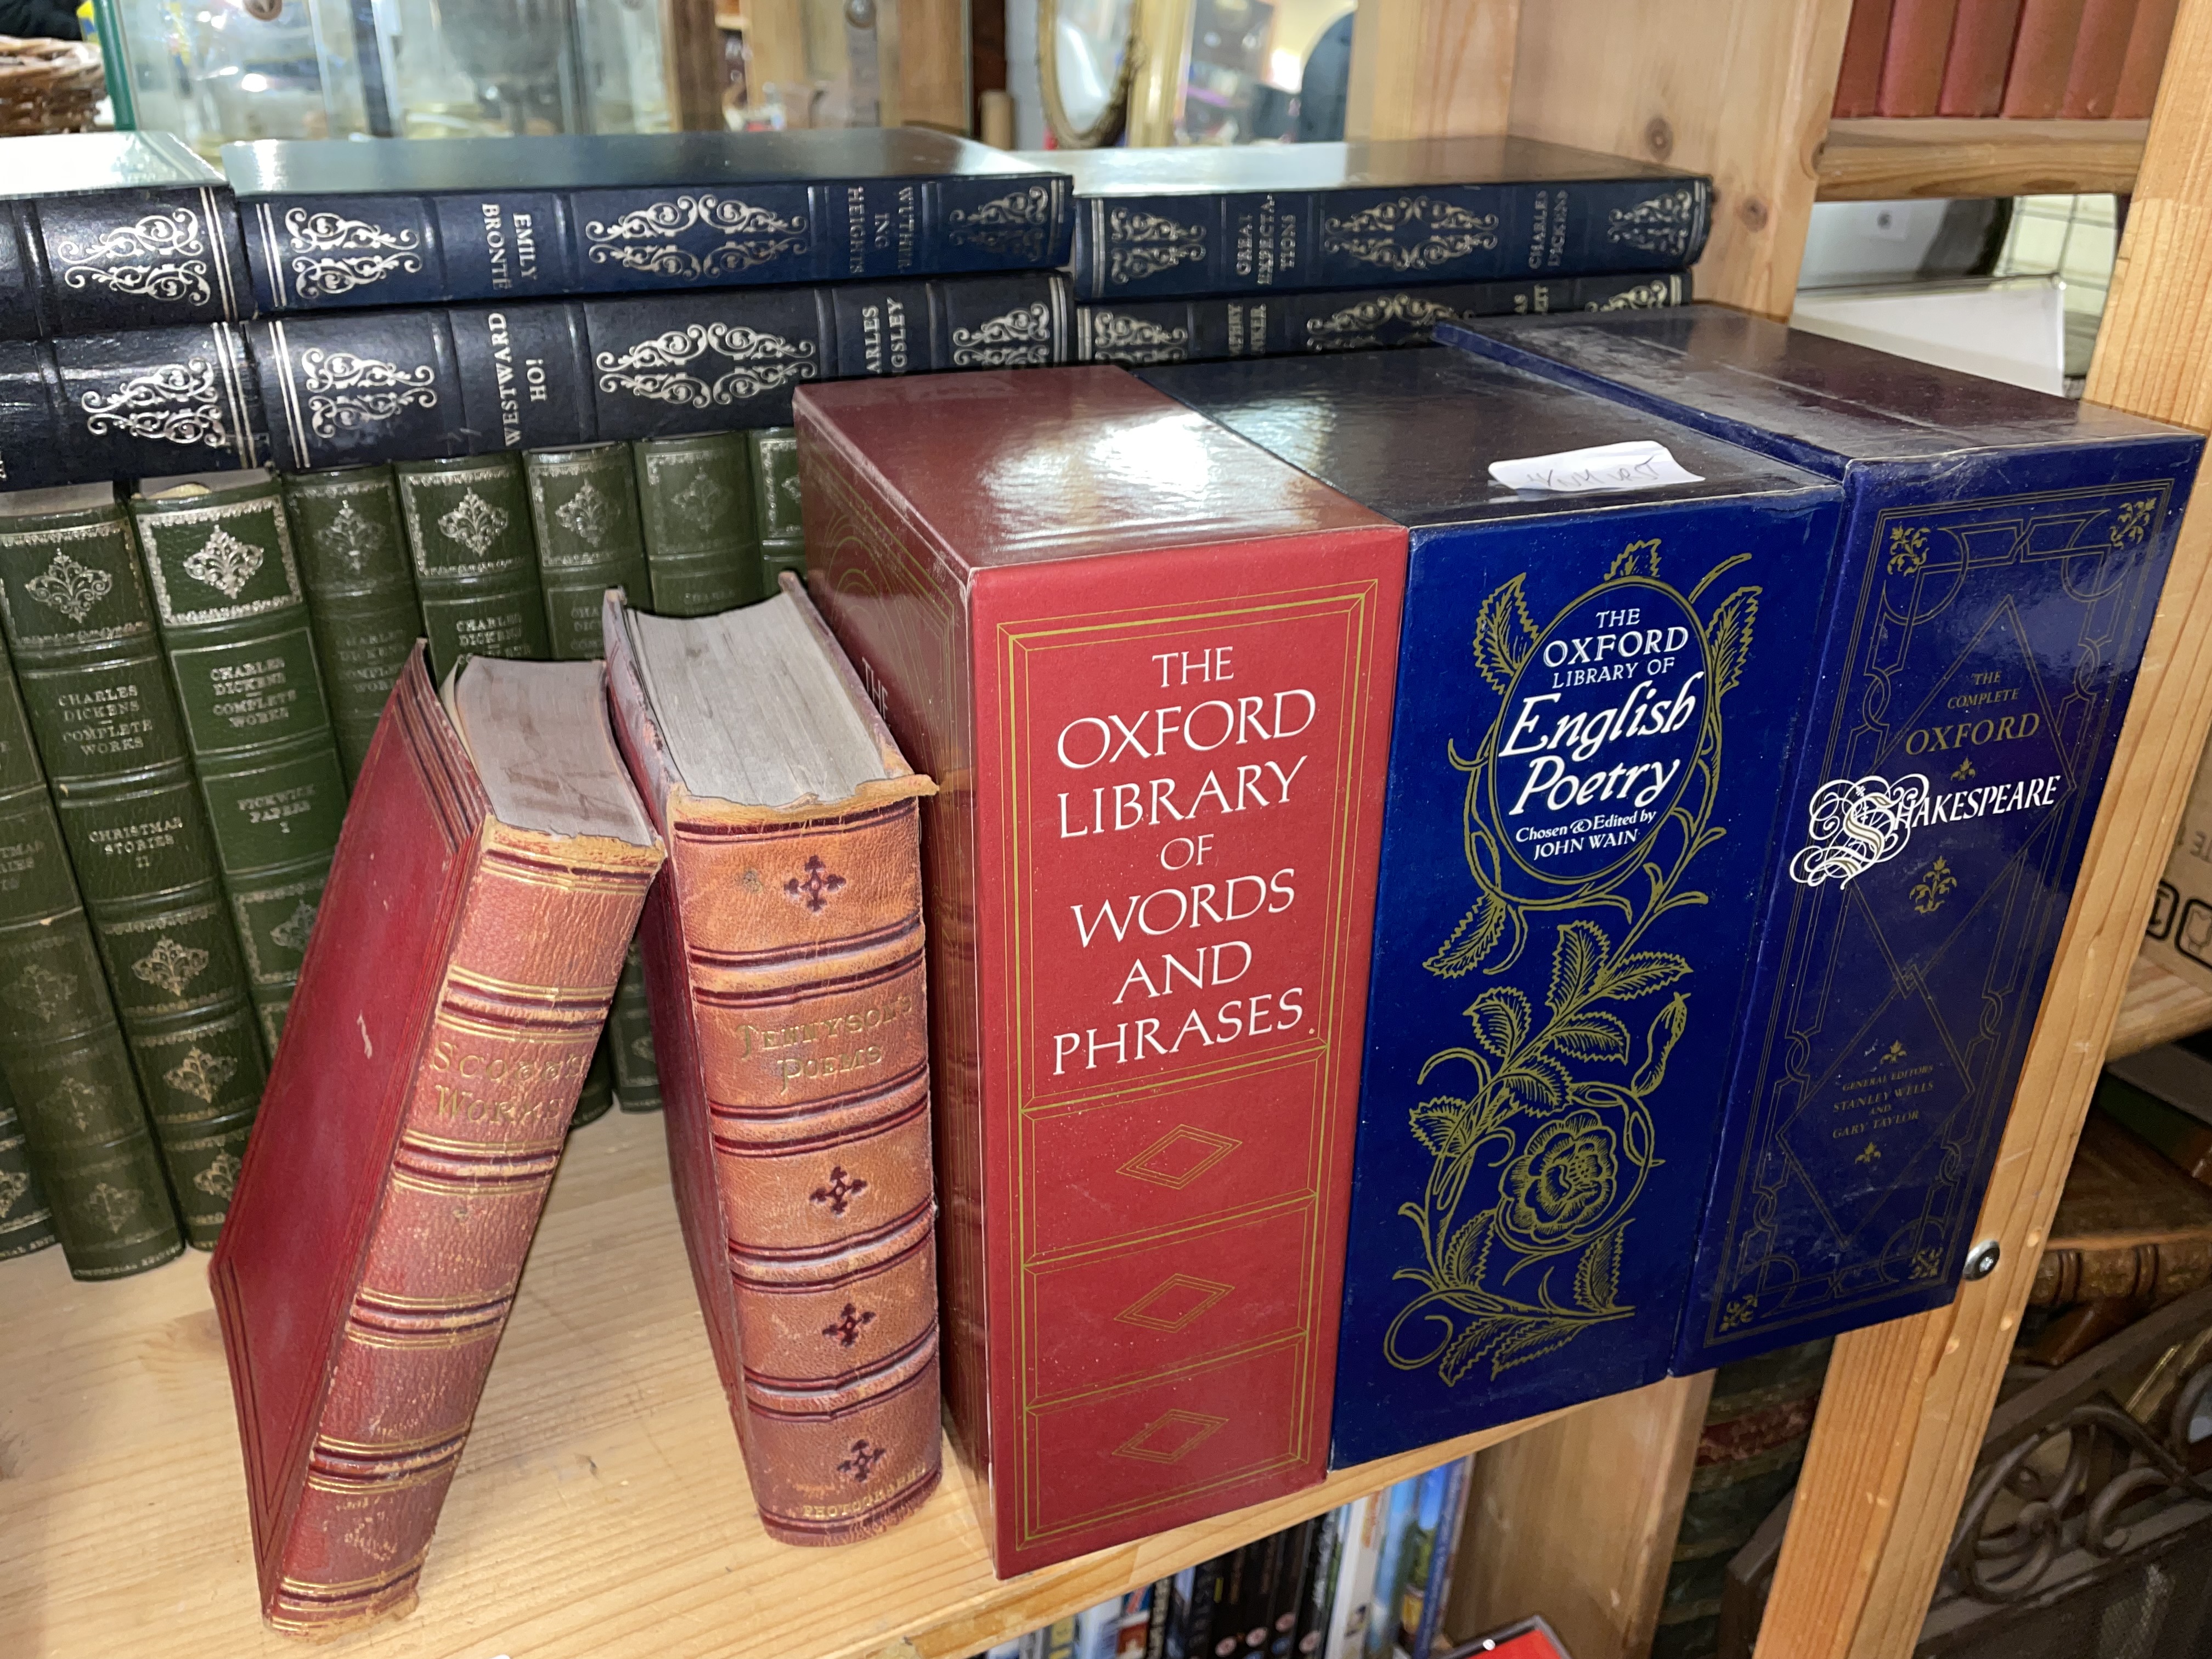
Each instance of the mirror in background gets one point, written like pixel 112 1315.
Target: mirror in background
pixel 1086 51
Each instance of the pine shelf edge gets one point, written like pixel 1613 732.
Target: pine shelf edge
pixel 1881 159
pixel 600 1511
pixel 2159 1006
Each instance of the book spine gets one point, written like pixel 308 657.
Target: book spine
pixel 629 1036
pixel 2146 60
pixel 1355 1580
pixel 150 258
pixel 1160 247
pixel 695 503
pixel 1443 1558
pixel 62 1056
pixel 474 560
pixel 26 1222
pixel 1858 80
pixel 596 1097
pixel 1912 62
pixel 361 598
pixel 1318 1599
pixel 1342 319
pixel 2155 1274
pixel 1981 50
pixel 2035 85
pixel 233 623
pixel 1290 1590
pixel 583 507
pixel 138 404
pixel 774 457
pixel 2100 52
pixel 908 328
pixel 361 390
pixel 792 954
pixel 312 253
pixel 104 718
pixel 469 1172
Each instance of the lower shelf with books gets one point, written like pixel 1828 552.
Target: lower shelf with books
pixel 600 1511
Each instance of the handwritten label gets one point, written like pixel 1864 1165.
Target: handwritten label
pixel 1641 465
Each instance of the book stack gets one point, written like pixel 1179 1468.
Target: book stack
pixel 1366 1580
pixel 2026 59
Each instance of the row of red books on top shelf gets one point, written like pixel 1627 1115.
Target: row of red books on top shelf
pixel 2026 59
pixel 1336 789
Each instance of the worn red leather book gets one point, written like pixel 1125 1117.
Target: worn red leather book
pixel 2042 55
pixel 1858 80
pixel 783 961
pixel 1150 667
pixel 2100 52
pixel 1981 51
pixel 487 882
pixel 1912 62
pixel 2146 60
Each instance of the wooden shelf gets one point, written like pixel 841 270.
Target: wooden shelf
pixel 600 1511
pixel 1881 161
pixel 2160 1007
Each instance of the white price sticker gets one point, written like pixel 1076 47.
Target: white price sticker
pixel 1641 465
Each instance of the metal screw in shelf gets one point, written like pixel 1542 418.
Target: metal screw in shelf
pixel 1982 1261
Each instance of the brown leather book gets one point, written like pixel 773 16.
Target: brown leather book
pixel 2130 1224
pixel 488 879
pixel 783 961
pixel 2146 59
pixel 2100 51
pixel 1858 82
pixel 1912 62
pixel 1981 51
pixel 2042 57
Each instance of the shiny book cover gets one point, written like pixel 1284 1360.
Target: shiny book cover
pixel 1597 699
pixel 2000 560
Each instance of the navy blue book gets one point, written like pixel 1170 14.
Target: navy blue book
pixel 1155 223
pixel 363 388
pixel 115 230
pixel 1597 699
pixel 142 403
pixel 1281 323
pixel 334 222
pixel 2000 557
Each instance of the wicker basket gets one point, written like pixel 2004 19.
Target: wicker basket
pixel 48 86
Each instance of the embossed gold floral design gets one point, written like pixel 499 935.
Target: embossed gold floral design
pixel 707 365
pixel 220 1179
pixel 1020 339
pixel 346 391
pixel 70 588
pixel 1894 1055
pixel 171 966
pixel 1963 770
pixel 586 514
pixel 2132 522
pixel 1739 1312
pixel 41 992
pixel 1934 886
pixel 1908 549
pixel 175 402
pixel 643 239
pixel 14 1183
pixel 224 563
pixel 1013 225
pixel 113 1206
pixel 200 1072
pixel 473 522
pixel 332 254
pixel 1927 1263
pixel 1545 1114
pixel 1413 233
pixel 295 930
pixel 1359 327
pixel 1115 338
pixel 701 500
pixel 159 257
pixel 1659 291
pixel 353 533
pixel 1658 224
pixel 1140 245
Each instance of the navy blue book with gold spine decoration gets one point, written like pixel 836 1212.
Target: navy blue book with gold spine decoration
pixel 2000 558
pixel 1162 223
pixel 331 222
pixel 1597 700
pixel 115 230
pixel 133 404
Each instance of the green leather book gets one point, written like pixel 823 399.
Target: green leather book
pixel 583 505
pixel 361 597
pixel 629 1038
pixel 695 498
pixel 26 1222
pixel 232 618
pixel 775 503
pixel 597 1096
pixel 475 560
pixel 79 623
pixel 61 1052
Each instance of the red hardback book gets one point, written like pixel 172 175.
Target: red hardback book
pixel 1858 80
pixel 2042 58
pixel 2100 52
pixel 465 949
pixel 2146 60
pixel 1981 51
pixel 1150 667
pixel 1912 62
